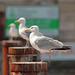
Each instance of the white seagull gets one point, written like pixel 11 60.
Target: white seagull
pixel 42 43
pixel 13 31
pixel 22 27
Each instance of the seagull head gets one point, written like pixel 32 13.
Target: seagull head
pixel 21 20
pixel 33 29
pixel 11 25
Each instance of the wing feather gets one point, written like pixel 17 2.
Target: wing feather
pixel 24 34
pixel 47 43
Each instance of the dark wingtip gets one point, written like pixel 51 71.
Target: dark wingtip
pixel 67 47
pixel 63 48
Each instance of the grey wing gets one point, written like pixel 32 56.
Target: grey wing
pixel 25 33
pixel 46 43
pixel 16 32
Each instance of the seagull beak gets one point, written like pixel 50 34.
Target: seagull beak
pixel 9 25
pixel 16 21
pixel 27 30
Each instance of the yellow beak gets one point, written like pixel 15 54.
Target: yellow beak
pixel 16 21
pixel 26 30
pixel 9 25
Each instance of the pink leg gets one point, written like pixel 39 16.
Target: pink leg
pixel 49 58
pixel 42 57
pixel 27 44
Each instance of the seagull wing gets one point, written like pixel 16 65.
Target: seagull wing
pixel 46 43
pixel 25 34
pixel 16 32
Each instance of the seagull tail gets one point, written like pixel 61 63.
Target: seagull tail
pixel 63 48
pixel 67 47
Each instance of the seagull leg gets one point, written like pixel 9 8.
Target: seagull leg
pixel 42 58
pixel 11 38
pixel 49 58
pixel 27 44
pixel 50 55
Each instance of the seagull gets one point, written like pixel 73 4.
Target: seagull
pixel 13 31
pixel 42 43
pixel 22 33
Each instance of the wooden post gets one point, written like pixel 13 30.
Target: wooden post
pixel 28 68
pixel 22 54
pixel 5 45
pixel 25 67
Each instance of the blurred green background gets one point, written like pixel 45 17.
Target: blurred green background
pixel 61 63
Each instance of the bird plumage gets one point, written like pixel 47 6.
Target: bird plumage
pixel 41 42
pixel 22 27
pixel 13 32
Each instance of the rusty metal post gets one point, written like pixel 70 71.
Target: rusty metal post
pixel 5 60
pixel 28 68
pixel 5 45
pixel 22 54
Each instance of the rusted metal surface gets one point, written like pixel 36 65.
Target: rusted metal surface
pixel 22 58
pixel 30 73
pixel 22 51
pixel 13 60
pixel 28 67
pixel 8 43
pixel 5 61
pixel 5 45
pixel 19 58
pixel 22 54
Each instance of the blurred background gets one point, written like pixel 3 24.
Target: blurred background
pixel 56 18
